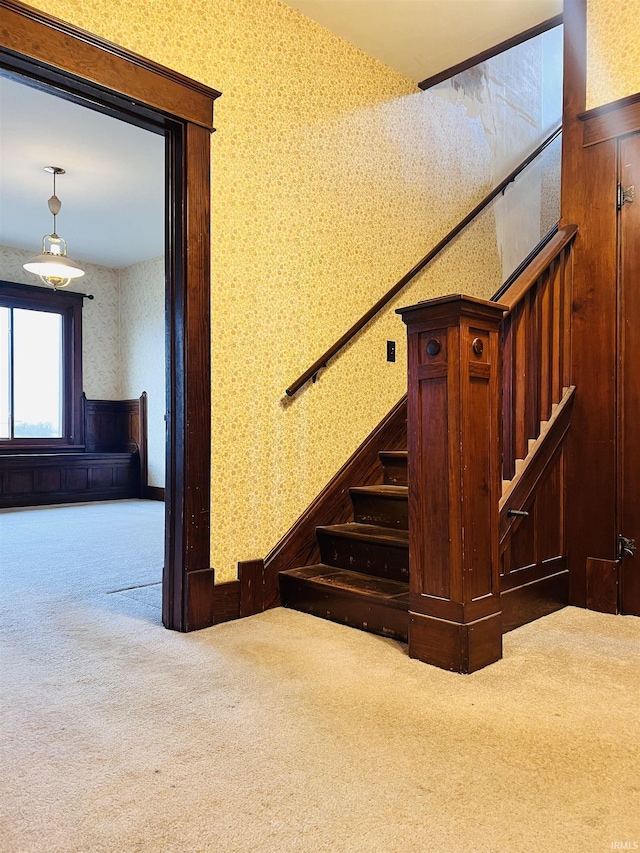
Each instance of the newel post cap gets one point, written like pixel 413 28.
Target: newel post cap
pixel 450 310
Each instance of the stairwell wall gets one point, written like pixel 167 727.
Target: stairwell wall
pixel 331 176
pixel 613 50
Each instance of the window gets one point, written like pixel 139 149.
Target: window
pixel 40 367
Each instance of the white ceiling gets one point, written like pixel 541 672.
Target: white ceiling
pixel 420 38
pixel 112 193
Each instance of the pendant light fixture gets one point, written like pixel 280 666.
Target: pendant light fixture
pixel 53 266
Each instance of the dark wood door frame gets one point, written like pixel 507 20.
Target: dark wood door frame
pixel 80 66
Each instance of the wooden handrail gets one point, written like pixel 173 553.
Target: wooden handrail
pixel 324 359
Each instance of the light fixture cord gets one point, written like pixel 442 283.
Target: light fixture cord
pixel 54 216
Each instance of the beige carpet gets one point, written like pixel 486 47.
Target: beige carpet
pixel 283 732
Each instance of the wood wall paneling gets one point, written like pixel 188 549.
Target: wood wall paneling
pixel 533 600
pixel 629 378
pixel 109 467
pixel 589 200
pixel 40 479
pixel 535 578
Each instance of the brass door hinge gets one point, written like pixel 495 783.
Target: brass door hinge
pixel 626 547
pixel 626 195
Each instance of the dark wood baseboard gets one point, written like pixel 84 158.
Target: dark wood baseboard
pixel 532 600
pixel 602 585
pixel 154 493
pixel 208 603
pixel 251 577
pixel 455 646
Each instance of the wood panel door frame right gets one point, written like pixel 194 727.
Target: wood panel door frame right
pixel 589 185
pixel 628 474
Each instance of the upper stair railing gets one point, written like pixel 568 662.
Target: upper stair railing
pixel 322 362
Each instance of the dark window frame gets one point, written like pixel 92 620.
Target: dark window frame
pixel 69 305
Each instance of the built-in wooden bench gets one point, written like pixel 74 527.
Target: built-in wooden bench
pixel 111 465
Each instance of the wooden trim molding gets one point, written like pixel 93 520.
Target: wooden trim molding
pixel 514 41
pixel 529 601
pixel 154 493
pixel 611 120
pixel 90 57
pixel 209 603
pixel 68 304
pixel 51 53
pixel 251 576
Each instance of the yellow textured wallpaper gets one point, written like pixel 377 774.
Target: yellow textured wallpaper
pixel 613 50
pixel 332 175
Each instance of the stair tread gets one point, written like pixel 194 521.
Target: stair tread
pixel 394 454
pixel 394 593
pixel 390 491
pixel 369 532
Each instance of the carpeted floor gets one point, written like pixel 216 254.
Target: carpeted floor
pixel 283 732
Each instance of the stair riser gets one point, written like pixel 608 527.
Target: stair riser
pixel 395 472
pixel 344 608
pixel 370 558
pixel 382 510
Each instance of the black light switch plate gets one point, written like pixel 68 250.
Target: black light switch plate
pixel 391 350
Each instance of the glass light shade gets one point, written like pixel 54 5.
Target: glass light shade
pixel 53 266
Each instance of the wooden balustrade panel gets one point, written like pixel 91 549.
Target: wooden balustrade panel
pixel 508 439
pixel 532 366
pixel 534 578
pixel 436 416
pixel 546 344
pixel 521 323
pixel 535 356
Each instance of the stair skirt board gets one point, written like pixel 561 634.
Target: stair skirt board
pixel 533 600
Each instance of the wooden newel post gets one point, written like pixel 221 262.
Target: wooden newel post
pixel 455 457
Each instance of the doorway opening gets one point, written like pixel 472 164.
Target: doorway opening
pixel 55 56
pixel 82 367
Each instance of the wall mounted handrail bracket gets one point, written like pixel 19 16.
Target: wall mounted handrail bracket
pixel 333 350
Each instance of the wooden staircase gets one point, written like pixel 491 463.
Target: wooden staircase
pixel 487 414
pixel 363 579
